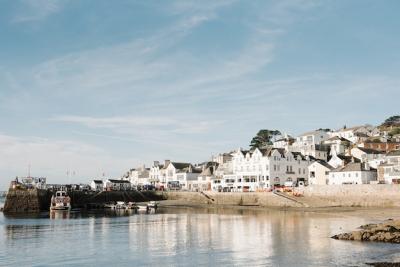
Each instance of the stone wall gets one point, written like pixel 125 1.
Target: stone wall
pixel 36 200
pixel 26 200
pixel 266 199
pixel 366 195
pixel 315 196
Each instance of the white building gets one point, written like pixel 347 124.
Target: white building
pixel 205 178
pixel 139 176
pixel 311 144
pixel 179 174
pixel 367 154
pixel 318 172
pixel 285 142
pixel 352 173
pixel 262 169
pixel 337 144
pixel 221 171
pixel 96 185
pixel 389 171
pixel 157 174
pixel 116 185
pixel 355 134
pixel 337 161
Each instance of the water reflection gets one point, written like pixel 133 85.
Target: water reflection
pixel 185 236
pixel 59 214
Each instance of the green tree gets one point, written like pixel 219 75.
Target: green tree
pixel 392 121
pixel 263 138
pixel 395 131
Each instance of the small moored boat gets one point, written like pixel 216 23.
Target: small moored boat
pixel 60 201
pixel 120 205
pixel 152 205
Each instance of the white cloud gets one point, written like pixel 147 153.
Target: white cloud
pixel 146 125
pixel 53 158
pixel 36 10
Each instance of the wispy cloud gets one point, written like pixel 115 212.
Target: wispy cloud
pixel 53 158
pixel 37 10
pixel 143 124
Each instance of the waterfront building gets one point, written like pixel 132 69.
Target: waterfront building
pixel 205 178
pixel 217 182
pixel 263 169
pixel 139 176
pixel 96 185
pixel 318 172
pixel 178 174
pixel 158 174
pixel 116 185
pixel 353 173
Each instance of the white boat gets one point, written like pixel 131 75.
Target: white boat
pixel 142 208
pixel 152 205
pixel 120 205
pixel 60 201
pixel 109 206
pixel 131 206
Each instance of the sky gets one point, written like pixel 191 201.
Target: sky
pixel 93 88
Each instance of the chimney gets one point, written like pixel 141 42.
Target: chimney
pixel 156 163
pixel 167 162
pixel 366 166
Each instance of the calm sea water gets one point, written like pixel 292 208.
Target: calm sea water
pixel 189 237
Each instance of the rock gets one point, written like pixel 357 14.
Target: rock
pixel 388 231
pixel 357 235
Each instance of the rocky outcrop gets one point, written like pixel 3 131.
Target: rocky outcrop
pixel 388 231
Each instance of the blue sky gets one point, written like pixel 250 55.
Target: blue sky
pixel 102 86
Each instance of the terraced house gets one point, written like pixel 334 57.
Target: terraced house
pixel 263 169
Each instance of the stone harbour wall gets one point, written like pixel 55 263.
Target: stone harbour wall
pixel 367 195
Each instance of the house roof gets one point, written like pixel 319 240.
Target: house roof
pixel 181 165
pixel 313 132
pixel 268 151
pixel 361 135
pixel 393 153
pixel 118 181
pixel 98 181
pixel 354 128
pixel 352 167
pixel 325 164
pixel 337 138
pixel 296 154
pixel 209 171
pixel 370 150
